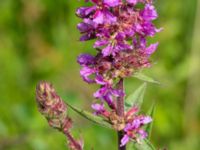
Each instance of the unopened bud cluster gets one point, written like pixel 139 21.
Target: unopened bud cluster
pixel 55 111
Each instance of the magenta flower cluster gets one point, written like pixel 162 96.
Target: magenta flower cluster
pixel 120 29
pixel 133 128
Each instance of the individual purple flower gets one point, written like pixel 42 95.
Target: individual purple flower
pixel 104 16
pixel 100 11
pixel 109 3
pixel 85 59
pixel 124 140
pixel 83 12
pixel 107 93
pixel 133 2
pixel 148 29
pixel 149 13
pixel 142 134
pixel 99 109
pixel 113 48
pixel 146 119
pixel 86 72
pixel 151 49
pixel 87 28
pixel 133 129
pixel 113 45
pixel 104 91
pixel 112 3
pixel 100 80
pixel 84 27
pixel 107 90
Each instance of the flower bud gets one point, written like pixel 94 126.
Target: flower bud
pixel 55 111
pixel 52 107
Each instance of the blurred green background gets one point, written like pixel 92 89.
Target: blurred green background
pixel 39 41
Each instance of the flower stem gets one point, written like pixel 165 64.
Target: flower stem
pixel 120 112
pixel 73 143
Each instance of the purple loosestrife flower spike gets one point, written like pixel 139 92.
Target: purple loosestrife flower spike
pixel 55 111
pixel 120 29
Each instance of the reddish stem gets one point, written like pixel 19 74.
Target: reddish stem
pixel 120 112
pixel 73 142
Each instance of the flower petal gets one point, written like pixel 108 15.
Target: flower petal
pixel 151 49
pixel 124 140
pixel 85 59
pixel 112 3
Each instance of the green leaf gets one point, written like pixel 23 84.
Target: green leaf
pixel 148 127
pixel 136 98
pixel 96 119
pixel 130 146
pixel 143 145
pixel 145 78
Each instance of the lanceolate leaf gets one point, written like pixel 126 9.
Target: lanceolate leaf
pixel 145 78
pixel 149 126
pixel 136 98
pixel 96 119
pixel 143 145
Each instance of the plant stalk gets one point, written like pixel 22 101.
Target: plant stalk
pixel 120 112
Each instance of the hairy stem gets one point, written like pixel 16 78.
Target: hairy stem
pixel 120 112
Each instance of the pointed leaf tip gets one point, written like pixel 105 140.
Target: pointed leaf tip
pixel 136 98
pixel 145 78
pixel 149 126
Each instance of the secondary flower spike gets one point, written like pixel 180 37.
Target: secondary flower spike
pixel 55 111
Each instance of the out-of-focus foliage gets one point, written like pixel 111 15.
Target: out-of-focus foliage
pixel 39 41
